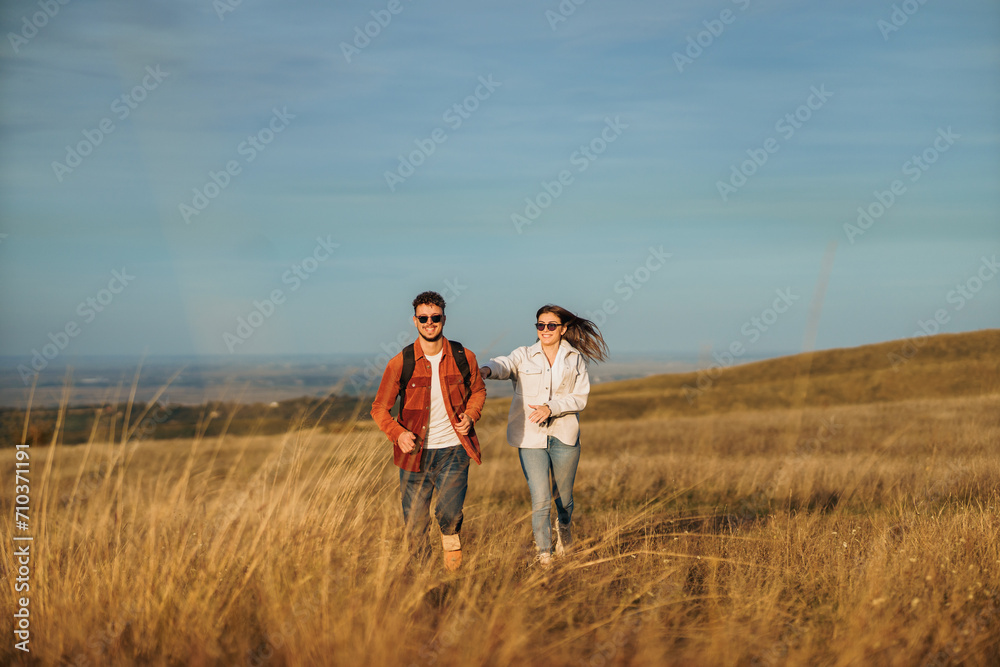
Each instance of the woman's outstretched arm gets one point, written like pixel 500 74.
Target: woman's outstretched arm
pixel 501 368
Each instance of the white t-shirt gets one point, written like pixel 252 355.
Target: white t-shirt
pixel 440 432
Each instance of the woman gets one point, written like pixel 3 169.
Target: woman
pixel 551 386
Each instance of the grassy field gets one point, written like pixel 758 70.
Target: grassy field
pixel 777 517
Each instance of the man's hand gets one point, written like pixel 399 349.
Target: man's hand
pixel 485 371
pixel 464 424
pixel 541 413
pixel 406 442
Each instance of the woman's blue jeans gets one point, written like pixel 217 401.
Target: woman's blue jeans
pixel 559 460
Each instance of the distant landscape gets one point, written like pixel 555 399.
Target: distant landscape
pixel 246 379
pixel 182 398
pixel 832 508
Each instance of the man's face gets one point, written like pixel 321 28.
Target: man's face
pixel 429 330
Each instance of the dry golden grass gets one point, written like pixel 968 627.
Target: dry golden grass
pixel 837 535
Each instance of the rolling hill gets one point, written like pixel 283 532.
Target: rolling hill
pixel 942 366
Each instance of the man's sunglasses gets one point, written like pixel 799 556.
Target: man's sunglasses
pixel 434 318
pixel 552 326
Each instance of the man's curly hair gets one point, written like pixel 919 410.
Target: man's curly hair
pixel 430 299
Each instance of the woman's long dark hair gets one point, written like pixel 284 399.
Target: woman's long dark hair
pixel 580 333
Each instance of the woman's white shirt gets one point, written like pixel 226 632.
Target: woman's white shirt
pixel 563 387
pixel 557 367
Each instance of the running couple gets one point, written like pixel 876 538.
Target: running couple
pixel 441 393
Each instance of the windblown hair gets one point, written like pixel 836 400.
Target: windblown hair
pixel 429 299
pixel 580 333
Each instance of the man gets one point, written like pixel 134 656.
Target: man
pixel 433 436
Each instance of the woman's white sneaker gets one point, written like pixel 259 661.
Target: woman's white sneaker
pixel 564 538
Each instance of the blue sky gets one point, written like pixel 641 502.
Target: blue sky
pixel 199 81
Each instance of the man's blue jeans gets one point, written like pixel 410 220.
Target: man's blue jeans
pixel 561 460
pixel 446 470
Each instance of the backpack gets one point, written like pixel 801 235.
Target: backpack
pixel 409 362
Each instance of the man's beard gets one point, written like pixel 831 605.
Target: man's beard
pixel 432 340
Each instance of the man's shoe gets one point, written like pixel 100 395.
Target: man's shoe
pixel 544 560
pixel 452 560
pixel 452 546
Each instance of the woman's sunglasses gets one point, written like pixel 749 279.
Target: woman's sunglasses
pixel 551 326
pixel 434 318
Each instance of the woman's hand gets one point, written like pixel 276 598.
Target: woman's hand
pixel 485 371
pixel 540 414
